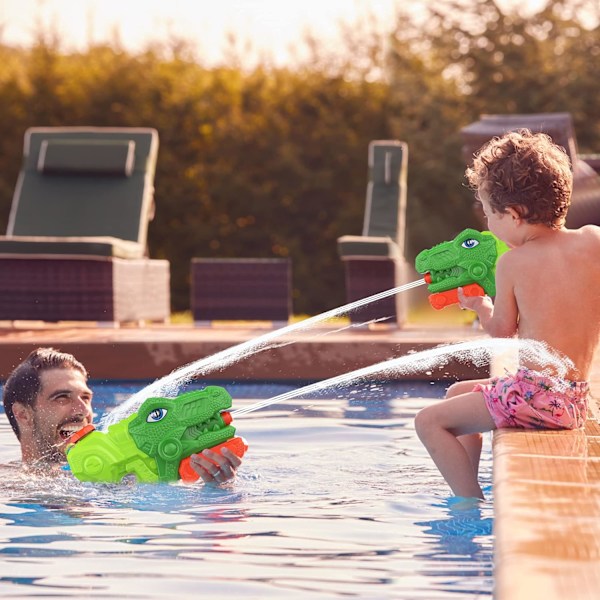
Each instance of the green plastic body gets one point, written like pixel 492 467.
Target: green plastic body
pixel 469 258
pixel 151 443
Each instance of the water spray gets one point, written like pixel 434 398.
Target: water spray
pixel 168 386
pixel 134 444
pixel 155 444
pixel 476 351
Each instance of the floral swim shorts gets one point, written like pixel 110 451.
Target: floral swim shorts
pixel 530 400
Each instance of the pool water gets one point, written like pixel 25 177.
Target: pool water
pixel 336 498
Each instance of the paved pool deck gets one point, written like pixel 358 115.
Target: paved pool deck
pixel 547 510
pixel 546 484
pixel 156 350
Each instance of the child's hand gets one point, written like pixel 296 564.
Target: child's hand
pixel 475 303
pixel 215 466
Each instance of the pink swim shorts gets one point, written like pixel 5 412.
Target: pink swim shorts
pixel 530 400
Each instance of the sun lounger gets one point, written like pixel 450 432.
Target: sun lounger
pixel 75 246
pixel 374 261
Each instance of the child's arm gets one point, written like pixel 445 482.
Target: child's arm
pixel 501 317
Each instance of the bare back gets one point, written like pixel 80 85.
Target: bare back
pixel 556 284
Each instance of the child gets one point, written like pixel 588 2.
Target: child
pixel 547 289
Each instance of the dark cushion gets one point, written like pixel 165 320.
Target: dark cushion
pixel 87 157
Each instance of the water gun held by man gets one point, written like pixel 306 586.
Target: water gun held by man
pixel 155 443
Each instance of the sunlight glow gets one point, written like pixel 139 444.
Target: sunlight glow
pixel 264 30
pixel 268 27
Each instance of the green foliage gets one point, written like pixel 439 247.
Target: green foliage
pixel 266 163
pixel 469 57
pixel 509 62
pixel 428 111
pixel 272 162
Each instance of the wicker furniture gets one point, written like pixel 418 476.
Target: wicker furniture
pixel 374 261
pixel 83 289
pixel 248 289
pixel 75 247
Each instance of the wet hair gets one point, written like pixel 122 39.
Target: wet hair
pixel 24 383
pixel 527 172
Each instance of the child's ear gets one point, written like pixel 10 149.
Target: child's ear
pixel 514 215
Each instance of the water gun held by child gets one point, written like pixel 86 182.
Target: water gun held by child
pixel 154 444
pixel 467 261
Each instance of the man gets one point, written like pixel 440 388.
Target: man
pixel 47 398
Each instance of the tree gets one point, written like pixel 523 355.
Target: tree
pixel 465 58
pixel 272 162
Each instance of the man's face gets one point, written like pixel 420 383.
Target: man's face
pixel 63 405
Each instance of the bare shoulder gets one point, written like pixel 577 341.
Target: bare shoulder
pixel 586 242
pixel 510 260
pixel 590 234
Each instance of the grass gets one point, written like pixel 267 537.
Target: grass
pixel 182 318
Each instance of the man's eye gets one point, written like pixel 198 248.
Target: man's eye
pixel 156 415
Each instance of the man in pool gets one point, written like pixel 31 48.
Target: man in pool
pixel 47 398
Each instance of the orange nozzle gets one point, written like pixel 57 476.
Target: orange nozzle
pixel 75 437
pixel 427 278
pixel 227 418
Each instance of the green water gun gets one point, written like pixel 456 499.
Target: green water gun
pixel 467 261
pixel 155 443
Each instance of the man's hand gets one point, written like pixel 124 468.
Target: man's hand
pixel 215 467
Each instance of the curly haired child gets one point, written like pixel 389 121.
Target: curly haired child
pixel 547 289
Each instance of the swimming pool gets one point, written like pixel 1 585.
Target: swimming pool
pixel 336 498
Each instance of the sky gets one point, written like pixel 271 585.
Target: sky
pixel 272 27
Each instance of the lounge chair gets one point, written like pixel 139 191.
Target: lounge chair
pixel 75 246
pixel 585 204
pixel 374 261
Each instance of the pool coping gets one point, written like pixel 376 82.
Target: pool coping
pixel 142 353
pixel 547 510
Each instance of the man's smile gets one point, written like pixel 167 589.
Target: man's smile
pixel 66 429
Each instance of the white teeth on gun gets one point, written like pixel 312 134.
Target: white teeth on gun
pixel 437 276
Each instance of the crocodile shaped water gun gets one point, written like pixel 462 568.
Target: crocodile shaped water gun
pixel 467 261
pixel 155 443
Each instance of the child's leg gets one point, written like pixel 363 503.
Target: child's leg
pixel 471 442
pixel 438 427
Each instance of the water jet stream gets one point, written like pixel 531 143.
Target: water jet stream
pixel 169 385
pixel 477 351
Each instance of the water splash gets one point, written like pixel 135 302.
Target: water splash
pixel 478 352
pixel 170 385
